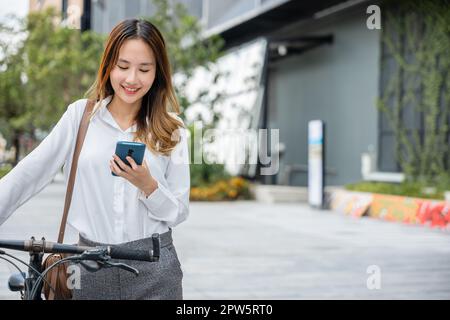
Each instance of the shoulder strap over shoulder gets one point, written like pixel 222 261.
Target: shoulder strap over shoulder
pixel 84 124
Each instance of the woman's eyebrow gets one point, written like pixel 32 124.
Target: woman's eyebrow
pixel 142 64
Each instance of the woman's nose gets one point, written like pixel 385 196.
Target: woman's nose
pixel 131 77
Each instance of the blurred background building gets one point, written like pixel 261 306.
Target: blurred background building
pixel 75 13
pixel 319 61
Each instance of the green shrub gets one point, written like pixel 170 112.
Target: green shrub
pixel 235 188
pixel 207 174
pixel 409 189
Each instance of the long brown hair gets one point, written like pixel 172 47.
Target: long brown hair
pixel 155 126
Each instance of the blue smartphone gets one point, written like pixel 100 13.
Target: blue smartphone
pixel 135 150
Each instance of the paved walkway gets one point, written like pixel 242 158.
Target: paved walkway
pixel 249 250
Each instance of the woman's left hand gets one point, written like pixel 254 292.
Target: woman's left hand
pixel 138 175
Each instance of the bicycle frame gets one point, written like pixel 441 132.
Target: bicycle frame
pixel 30 281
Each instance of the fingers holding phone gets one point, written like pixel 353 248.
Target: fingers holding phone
pixel 128 162
pixel 124 149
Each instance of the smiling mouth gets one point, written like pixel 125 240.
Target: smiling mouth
pixel 130 90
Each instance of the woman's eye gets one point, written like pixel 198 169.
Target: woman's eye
pixel 124 68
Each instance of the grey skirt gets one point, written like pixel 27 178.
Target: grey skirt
pixel 160 280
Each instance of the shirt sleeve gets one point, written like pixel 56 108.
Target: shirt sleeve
pixel 171 203
pixel 34 172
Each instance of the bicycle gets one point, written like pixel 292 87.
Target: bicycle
pixel 92 258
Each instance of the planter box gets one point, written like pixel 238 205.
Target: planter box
pixel 434 213
pixel 351 203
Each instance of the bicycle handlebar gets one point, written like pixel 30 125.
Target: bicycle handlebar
pixel 42 246
pixel 115 252
pixel 101 254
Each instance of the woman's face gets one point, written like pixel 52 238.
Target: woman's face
pixel 134 73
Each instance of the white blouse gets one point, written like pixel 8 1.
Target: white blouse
pixel 104 208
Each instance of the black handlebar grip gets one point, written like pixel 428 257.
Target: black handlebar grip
pixel 128 254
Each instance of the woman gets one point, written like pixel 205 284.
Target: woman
pixel 135 102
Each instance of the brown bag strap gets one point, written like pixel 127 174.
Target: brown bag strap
pixel 84 124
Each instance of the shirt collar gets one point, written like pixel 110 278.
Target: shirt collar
pixel 107 117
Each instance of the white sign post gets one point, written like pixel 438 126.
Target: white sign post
pixel 316 163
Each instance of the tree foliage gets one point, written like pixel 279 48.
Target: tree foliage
pixel 417 35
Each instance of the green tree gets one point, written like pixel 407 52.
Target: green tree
pixel 417 34
pixel 11 83
pixel 61 63
pixel 54 66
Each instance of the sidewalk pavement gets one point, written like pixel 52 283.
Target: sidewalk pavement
pixel 251 250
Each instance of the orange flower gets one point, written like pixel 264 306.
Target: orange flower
pixel 232 194
pixel 237 182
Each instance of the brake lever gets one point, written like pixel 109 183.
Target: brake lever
pixel 123 266
pixel 95 259
pixel 99 254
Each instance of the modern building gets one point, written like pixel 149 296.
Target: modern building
pixel 321 59
pixel 74 13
